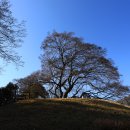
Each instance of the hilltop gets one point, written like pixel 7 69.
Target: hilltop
pixel 65 114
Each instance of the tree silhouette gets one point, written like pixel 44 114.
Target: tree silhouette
pixel 70 67
pixel 32 86
pixel 11 34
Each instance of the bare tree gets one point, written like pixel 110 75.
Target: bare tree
pixel 32 85
pixel 70 66
pixel 11 34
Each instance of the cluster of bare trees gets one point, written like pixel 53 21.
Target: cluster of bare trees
pixel 73 68
pixel 70 66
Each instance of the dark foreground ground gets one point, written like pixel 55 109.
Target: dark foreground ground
pixel 64 114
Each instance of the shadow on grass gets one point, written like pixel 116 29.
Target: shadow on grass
pixel 60 115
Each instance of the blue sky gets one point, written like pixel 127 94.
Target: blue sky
pixel 103 22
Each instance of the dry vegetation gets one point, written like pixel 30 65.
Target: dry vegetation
pixel 64 114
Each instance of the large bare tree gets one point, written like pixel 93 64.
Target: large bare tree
pixel 11 34
pixel 71 67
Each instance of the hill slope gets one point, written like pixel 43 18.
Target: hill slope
pixel 64 114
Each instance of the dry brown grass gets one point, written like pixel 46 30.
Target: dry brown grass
pixel 64 114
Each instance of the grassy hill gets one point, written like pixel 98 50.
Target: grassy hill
pixel 64 114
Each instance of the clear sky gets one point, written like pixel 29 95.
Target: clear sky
pixel 103 22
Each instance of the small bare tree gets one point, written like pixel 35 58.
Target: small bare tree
pixel 32 85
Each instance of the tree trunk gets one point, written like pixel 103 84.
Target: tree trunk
pixel 67 92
